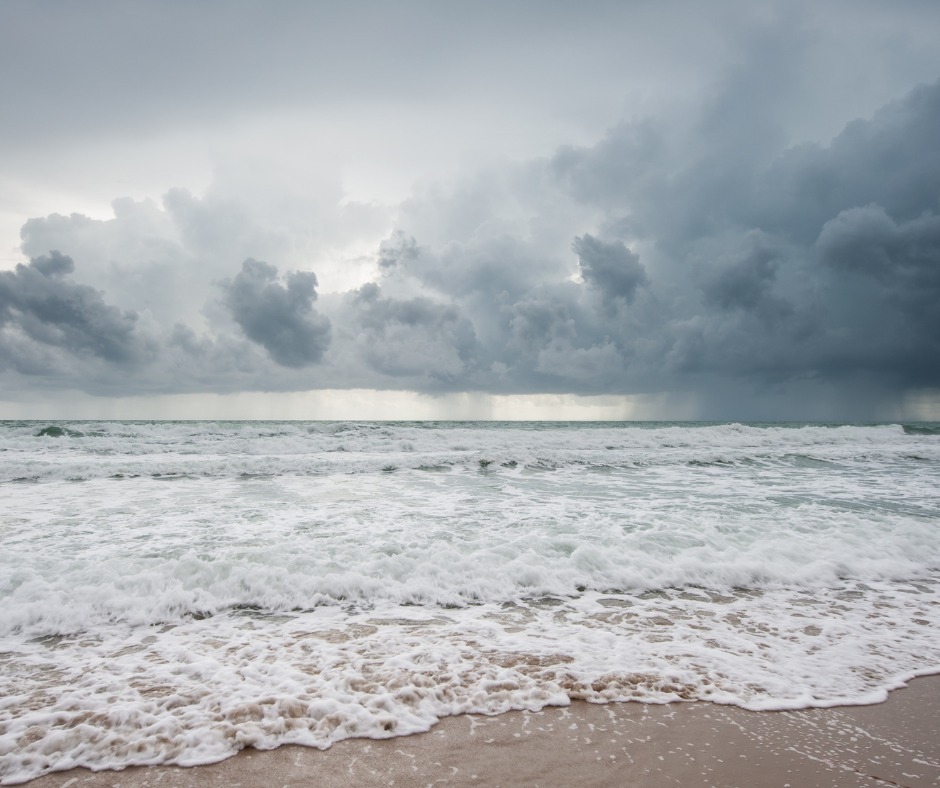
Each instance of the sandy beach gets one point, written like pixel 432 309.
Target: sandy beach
pixel 896 743
pixel 176 592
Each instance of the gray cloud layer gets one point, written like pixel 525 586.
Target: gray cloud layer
pixel 707 258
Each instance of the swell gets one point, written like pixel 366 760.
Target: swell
pixel 121 450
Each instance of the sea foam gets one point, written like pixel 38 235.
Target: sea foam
pixel 171 593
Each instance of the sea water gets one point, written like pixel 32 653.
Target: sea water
pixel 171 592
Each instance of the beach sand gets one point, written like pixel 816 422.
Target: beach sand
pixel 896 743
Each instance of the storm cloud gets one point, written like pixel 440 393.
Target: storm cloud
pixel 279 316
pixel 39 302
pixel 739 243
pixel 611 267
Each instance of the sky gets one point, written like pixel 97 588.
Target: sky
pixel 448 210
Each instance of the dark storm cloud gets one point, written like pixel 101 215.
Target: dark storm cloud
pixel 537 323
pixel 892 160
pixel 279 317
pixel 653 181
pixel 555 341
pixel 609 266
pixel 685 258
pixel 745 279
pixel 418 338
pixel 816 261
pixel 746 283
pixel 889 273
pixel 860 220
pixel 40 301
pixel 904 257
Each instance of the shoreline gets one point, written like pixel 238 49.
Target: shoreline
pixel 894 743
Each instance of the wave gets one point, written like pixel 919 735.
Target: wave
pixel 215 585
pixel 921 429
pixel 55 431
pixel 85 450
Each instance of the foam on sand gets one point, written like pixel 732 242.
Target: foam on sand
pixel 895 743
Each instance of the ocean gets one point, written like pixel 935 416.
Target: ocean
pixel 172 592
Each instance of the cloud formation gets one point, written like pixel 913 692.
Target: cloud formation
pixel 701 253
pixel 279 316
pixel 40 304
pixel 611 267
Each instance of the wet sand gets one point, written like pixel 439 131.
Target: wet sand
pixel 896 743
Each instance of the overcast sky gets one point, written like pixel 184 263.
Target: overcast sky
pixel 510 209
